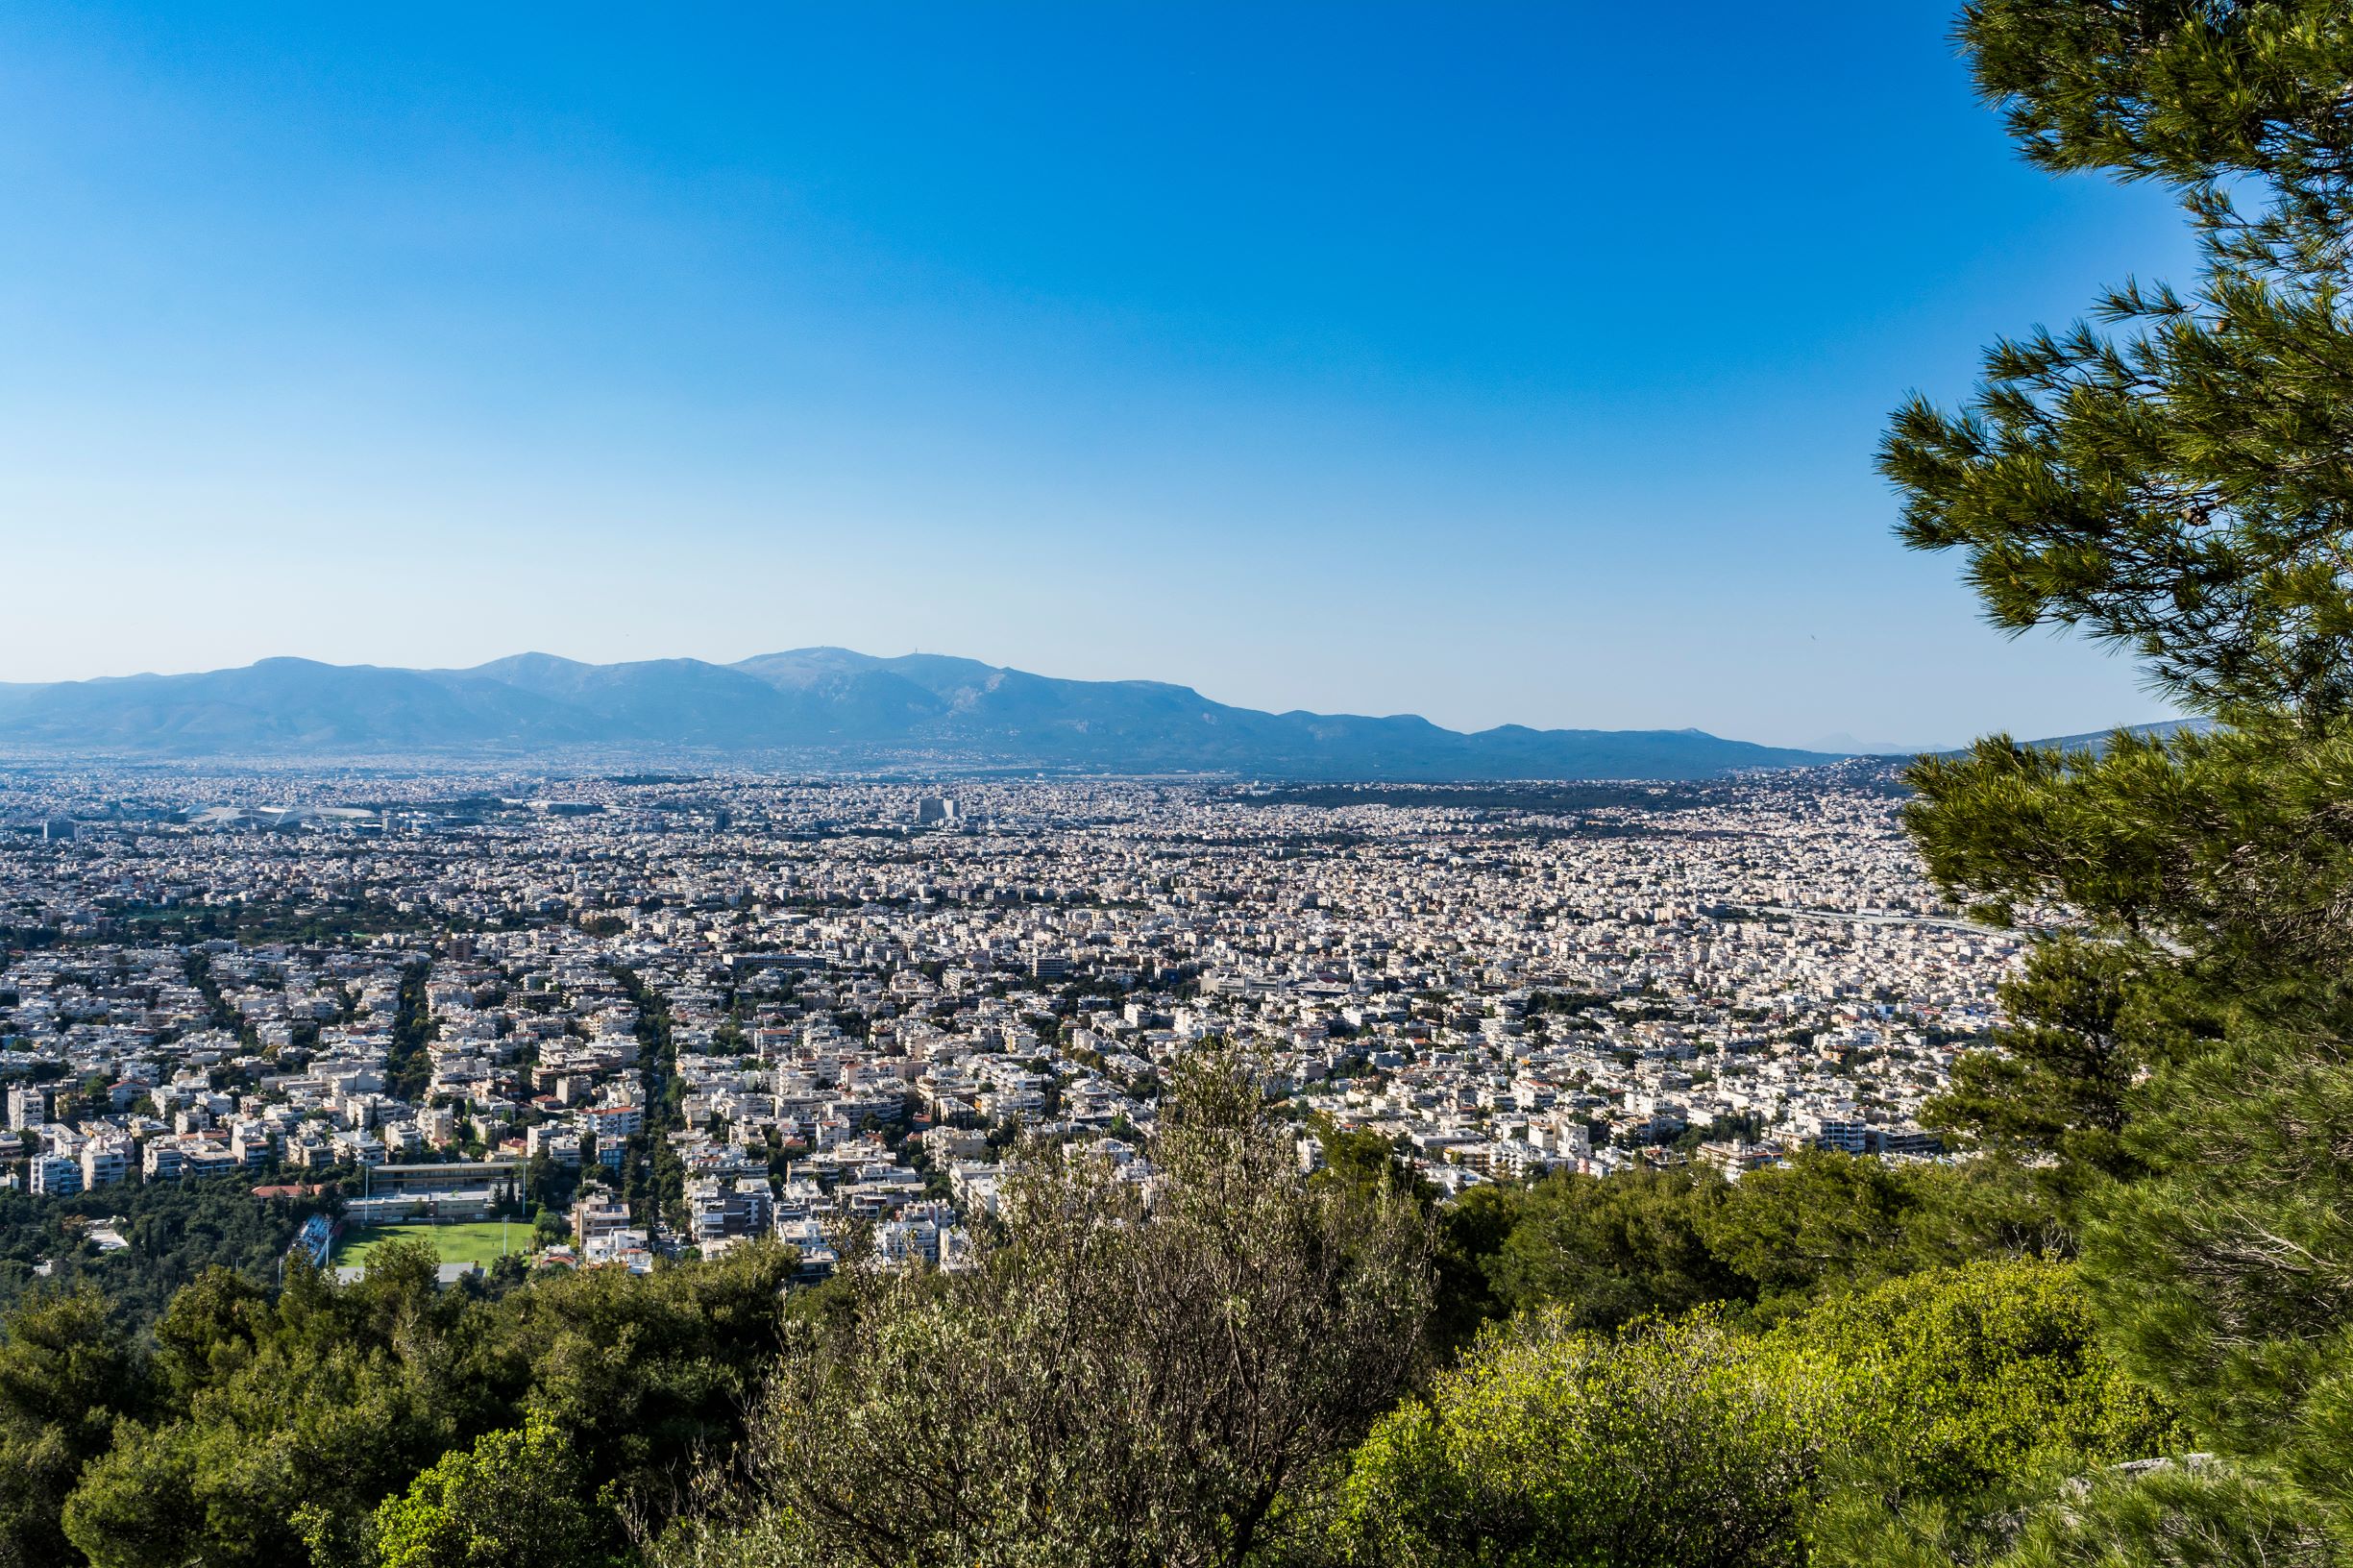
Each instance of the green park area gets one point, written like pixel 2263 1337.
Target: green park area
pixel 475 1242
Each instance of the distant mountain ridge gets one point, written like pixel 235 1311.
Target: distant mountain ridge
pixel 843 708
pixel 2096 740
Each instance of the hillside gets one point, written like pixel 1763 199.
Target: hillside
pixel 831 706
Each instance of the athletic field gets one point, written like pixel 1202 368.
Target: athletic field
pixel 474 1242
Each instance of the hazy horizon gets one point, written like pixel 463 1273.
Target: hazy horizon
pixel 1499 368
pixel 1846 740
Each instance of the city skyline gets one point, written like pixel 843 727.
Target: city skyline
pixel 1162 345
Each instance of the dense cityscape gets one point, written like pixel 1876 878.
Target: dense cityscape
pixel 1129 787
pixel 655 1013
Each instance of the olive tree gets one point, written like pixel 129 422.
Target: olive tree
pixel 1161 1370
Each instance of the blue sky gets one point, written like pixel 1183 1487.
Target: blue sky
pixel 1500 363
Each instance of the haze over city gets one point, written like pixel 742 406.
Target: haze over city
pixel 1373 363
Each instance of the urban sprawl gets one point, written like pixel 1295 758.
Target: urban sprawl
pixel 679 1011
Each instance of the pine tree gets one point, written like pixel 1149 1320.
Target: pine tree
pixel 2176 478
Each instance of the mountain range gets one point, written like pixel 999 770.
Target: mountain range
pixel 828 705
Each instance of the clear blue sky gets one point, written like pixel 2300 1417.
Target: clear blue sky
pixel 1493 363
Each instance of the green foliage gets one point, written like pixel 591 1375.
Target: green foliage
pixel 2085 1020
pixel 2223 857
pixel 512 1501
pixel 2172 1515
pixel 1666 1445
pixel 68 1374
pixel 1469 1232
pixel 2173 482
pixel 261 1428
pixel 638 1372
pixel 654 1179
pixel 175 1229
pixel 1824 1223
pixel 1107 1387
pixel 1364 1163
pixel 549 1186
pixel 347 1374
pixel 1611 1250
pixel 2175 489
pixel 407 1066
pixel 2183 92
pixel 1966 1385
pixel 2225 1271
pixel 1923 1407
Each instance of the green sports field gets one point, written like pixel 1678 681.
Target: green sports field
pixel 478 1242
